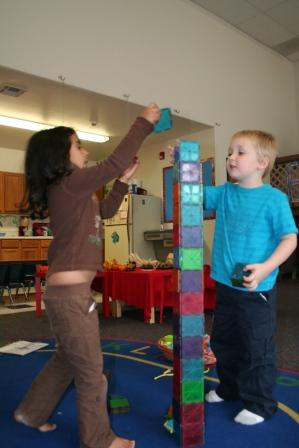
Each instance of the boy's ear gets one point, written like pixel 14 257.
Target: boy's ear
pixel 263 163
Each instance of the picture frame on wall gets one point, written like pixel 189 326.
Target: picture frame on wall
pixel 208 178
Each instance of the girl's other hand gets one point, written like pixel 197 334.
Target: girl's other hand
pixel 171 149
pixel 151 113
pixel 128 173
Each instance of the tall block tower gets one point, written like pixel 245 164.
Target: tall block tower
pixel 188 365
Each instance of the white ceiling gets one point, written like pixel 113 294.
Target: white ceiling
pixel 274 23
pixel 56 103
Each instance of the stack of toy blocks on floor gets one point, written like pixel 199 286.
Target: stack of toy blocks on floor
pixel 188 365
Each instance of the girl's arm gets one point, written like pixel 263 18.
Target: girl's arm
pixel 87 180
pixel 111 203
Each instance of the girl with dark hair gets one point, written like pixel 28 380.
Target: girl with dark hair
pixel 59 183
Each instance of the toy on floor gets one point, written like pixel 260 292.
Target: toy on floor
pixel 165 344
pixel 118 404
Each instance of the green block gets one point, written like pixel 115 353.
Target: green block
pixel 191 259
pixel 118 402
pixel 193 391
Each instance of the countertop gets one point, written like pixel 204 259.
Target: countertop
pixel 26 237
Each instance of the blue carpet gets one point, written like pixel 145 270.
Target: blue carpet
pixel 133 366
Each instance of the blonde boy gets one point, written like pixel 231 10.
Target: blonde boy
pixel 254 229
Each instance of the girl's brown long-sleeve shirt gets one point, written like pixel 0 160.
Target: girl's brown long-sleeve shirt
pixel 76 213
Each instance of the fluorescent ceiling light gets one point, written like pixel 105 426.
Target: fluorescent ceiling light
pixel 34 126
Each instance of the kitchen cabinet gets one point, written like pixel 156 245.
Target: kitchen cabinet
pixel 29 249
pixel 10 250
pixel 1 192
pixel 12 188
pixel 44 246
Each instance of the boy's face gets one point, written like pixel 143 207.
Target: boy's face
pixel 243 164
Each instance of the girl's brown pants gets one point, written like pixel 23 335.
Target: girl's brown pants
pixel 78 358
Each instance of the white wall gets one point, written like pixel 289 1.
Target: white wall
pixel 170 51
pixel 297 96
pixel 12 160
pixel 150 172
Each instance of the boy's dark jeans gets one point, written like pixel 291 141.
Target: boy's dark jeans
pixel 78 358
pixel 243 340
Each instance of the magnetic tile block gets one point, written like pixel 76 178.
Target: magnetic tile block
pixel 189 172
pixel 191 259
pixel 176 237
pixel 176 213
pixel 176 154
pixel 187 414
pixel 175 281
pixel 191 281
pixel 191 215
pixel 176 257
pixel 192 437
pixel 191 194
pixel 192 325
pixel 177 368
pixel 188 347
pixel 165 121
pixel 188 303
pixel 189 151
pixel 192 369
pixel 191 236
pixel 193 391
pixel 176 193
pixel 176 172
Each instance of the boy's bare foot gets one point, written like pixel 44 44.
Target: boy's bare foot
pixel 43 428
pixel 122 443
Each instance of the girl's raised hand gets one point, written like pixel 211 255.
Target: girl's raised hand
pixel 128 173
pixel 151 113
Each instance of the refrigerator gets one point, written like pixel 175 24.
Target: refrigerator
pixel 124 232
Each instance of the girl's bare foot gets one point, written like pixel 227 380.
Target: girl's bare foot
pixel 122 443
pixel 47 427
pixel 43 428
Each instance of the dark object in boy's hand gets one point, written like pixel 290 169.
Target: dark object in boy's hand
pixel 238 274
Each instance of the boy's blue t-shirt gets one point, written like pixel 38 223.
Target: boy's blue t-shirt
pixel 250 223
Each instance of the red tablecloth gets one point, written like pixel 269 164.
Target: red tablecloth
pixel 142 288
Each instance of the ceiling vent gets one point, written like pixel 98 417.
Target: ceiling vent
pixel 12 90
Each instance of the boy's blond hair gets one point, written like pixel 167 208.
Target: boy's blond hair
pixel 265 144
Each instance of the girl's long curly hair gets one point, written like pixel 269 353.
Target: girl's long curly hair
pixel 47 161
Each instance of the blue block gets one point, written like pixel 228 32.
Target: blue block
pixel 192 369
pixel 192 325
pixel 191 215
pixel 191 194
pixel 189 151
pixel 165 121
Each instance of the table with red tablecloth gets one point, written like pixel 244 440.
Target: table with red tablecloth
pixel 145 289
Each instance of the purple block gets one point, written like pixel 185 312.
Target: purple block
pixel 191 236
pixel 191 281
pixel 188 347
pixel 189 172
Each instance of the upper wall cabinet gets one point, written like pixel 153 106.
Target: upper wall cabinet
pixel 12 191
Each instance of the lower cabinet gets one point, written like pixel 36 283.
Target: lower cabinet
pixel 24 249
